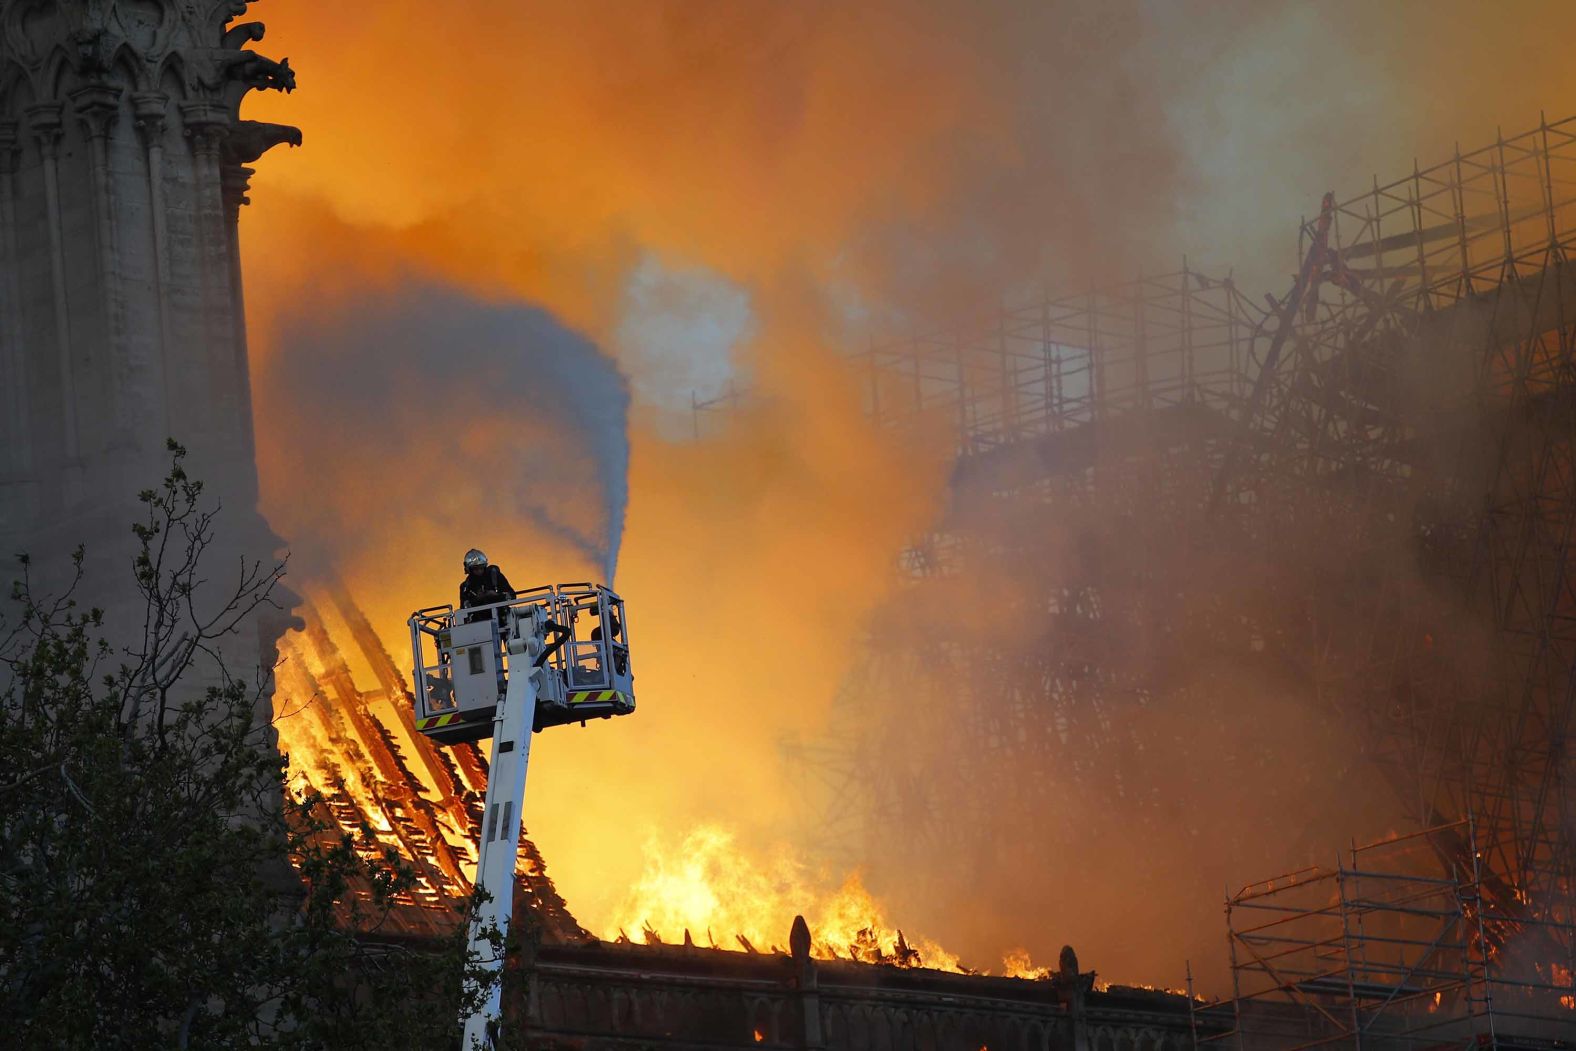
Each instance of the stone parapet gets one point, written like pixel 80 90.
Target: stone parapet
pixel 605 995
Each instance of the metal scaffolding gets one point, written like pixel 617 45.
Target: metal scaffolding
pixel 1379 951
pixel 1431 381
pixel 1409 404
pixel 1111 406
pixel 1167 341
pixel 1057 363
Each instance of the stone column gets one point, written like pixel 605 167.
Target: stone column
pixel 806 985
pixel 206 126
pixel 16 463
pixel 44 121
pixel 152 111
pixel 97 106
pixel 1071 987
pixel 236 179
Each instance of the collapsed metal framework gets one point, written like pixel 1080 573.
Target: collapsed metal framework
pixel 1432 382
pixel 1387 456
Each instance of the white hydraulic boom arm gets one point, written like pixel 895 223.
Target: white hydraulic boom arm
pixel 499 849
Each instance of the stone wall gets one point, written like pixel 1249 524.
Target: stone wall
pixel 596 995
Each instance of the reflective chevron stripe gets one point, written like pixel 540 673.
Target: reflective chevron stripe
pixel 582 696
pixel 434 722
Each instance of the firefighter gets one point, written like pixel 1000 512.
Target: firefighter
pixel 615 634
pixel 484 583
pixel 615 629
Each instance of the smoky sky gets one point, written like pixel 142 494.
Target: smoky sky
pixel 435 408
pixel 917 159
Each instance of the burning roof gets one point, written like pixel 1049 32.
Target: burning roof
pixel 343 714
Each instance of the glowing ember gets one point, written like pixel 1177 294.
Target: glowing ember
pixel 1562 976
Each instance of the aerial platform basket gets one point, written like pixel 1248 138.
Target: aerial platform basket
pixel 464 657
pixel 546 657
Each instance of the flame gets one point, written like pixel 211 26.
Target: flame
pixel 706 883
pixel 353 743
pixel 344 726
pixel 1562 976
pixel 1016 963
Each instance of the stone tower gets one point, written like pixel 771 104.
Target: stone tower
pixel 123 167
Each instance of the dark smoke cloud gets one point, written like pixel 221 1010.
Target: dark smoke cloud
pixel 1101 716
pixel 439 421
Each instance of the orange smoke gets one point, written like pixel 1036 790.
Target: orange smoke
pixel 750 562
pixel 841 165
pixel 900 150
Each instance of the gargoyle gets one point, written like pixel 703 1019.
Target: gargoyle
pixel 237 37
pixel 247 67
pixel 250 139
pixel 263 73
pixel 91 59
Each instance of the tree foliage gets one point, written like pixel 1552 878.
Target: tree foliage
pixel 147 895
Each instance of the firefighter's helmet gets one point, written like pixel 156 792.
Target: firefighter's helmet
pixel 475 558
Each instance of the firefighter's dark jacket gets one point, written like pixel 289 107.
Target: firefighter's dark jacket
pixel 489 586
